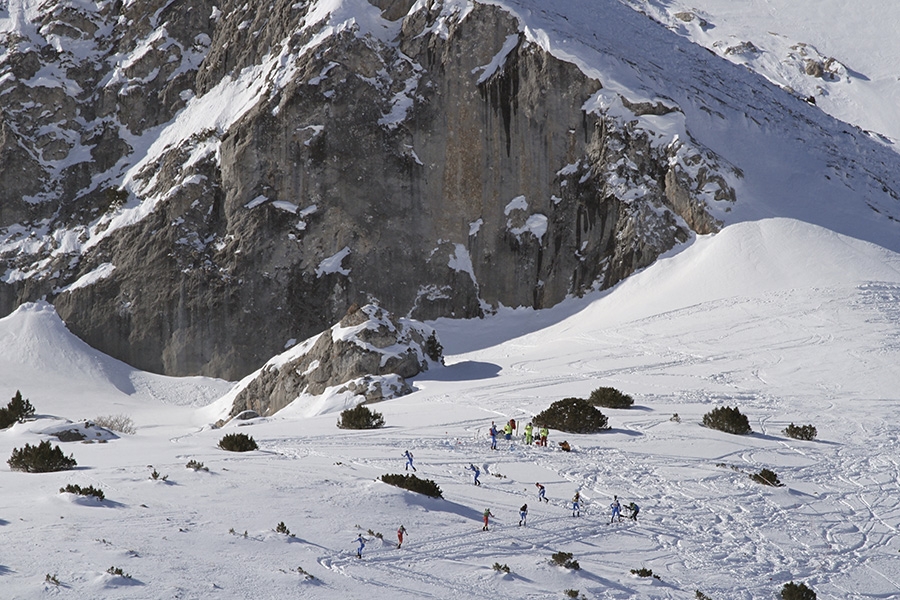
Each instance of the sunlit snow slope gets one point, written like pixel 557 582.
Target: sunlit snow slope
pixel 787 321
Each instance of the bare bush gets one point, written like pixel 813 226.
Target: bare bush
pixel 117 423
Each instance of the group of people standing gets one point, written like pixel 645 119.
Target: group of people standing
pixel 510 427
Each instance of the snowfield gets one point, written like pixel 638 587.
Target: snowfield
pixel 785 320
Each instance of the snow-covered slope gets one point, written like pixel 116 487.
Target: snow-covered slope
pixel 787 321
pixel 855 44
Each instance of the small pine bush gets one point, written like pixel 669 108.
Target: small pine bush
pixel 571 593
pixel 17 411
pixel 804 432
pixel 360 418
pixel 237 442
pixel 195 465
pixel 282 528
pixel 700 595
pixel 434 349
pixel 414 484
pixel 766 477
pixel 797 591
pixel 88 491
pixel 729 420
pixel 608 397
pixel 573 415
pixel 564 559
pixel 644 572
pixel 40 459
pixel 501 568
pixel 118 571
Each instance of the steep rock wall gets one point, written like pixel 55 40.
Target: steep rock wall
pixel 452 168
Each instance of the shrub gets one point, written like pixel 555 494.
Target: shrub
pixel 564 559
pixel 573 415
pixel 282 528
pixel 434 349
pixel 608 397
pixel 40 459
pixel 51 579
pixel 237 442
pixel 155 476
pixel 197 466
pixel 414 484
pixel 571 593
pixel 16 411
pixel 700 595
pixel 766 477
pixel 729 420
pixel 88 491
pixel 118 571
pixel 360 418
pixel 118 423
pixel 501 568
pixel 804 432
pixel 644 572
pixel 797 591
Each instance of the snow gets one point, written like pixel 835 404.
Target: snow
pixel 786 320
pixel 332 264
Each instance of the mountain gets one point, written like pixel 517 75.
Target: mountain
pixel 787 321
pixel 194 185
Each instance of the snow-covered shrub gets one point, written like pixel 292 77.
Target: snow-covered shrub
pixel 197 466
pixel 40 459
pixel 360 418
pixel 17 410
pixel 414 484
pixel 117 423
pixel 727 419
pixel 609 397
pixel 564 559
pixel 766 477
pixel 573 415
pixel 504 568
pixel 237 442
pixel 77 489
pixel 700 595
pixel 804 432
pixel 118 572
pixel 797 591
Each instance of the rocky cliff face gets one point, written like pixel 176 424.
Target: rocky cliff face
pixel 195 184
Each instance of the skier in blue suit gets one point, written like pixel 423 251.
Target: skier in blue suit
pixel 362 544
pixel 409 460
pixel 476 471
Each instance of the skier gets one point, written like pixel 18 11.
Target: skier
pixel 487 513
pixel 507 432
pixel 523 515
pixel 542 493
pixel 362 544
pixel 493 433
pixel 576 504
pixel 400 533
pixel 529 434
pixel 544 433
pixel 409 460
pixel 635 509
pixel 476 471
pixel 616 510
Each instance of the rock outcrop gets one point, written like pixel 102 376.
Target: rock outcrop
pixel 369 354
